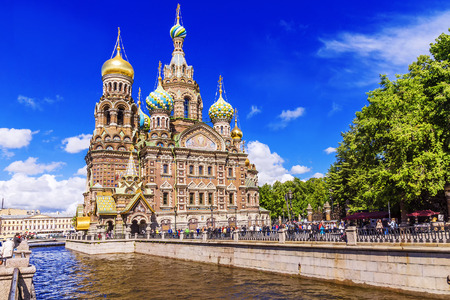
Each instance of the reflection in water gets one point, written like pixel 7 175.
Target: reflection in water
pixel 63 274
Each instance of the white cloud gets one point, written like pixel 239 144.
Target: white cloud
pixel 297 169
pixel 289 115
pixel 11 138
pixel 334 109
pixel 318 175
pixel 392 46
pixel 254 110
pixel 286 116
pixel 76 144
pixel 269 165
pixel 28 101
pixel 330 150
pixel 30 167
pixel 82 171
pixel 45 192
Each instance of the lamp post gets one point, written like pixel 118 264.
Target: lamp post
pixel 175 211
pixel 212 222
pixel 235 217
pixel 286 197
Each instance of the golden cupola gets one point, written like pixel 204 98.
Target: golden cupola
pixel 118 65
pixel 236 133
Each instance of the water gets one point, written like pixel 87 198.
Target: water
pixel 63 274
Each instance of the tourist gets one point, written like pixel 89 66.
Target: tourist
pixel 17 240
pixel 393 224
pixel 379 226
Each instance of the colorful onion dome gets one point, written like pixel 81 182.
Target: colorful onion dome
pixel 247 162
pixel 221 110
pixel 144 121
pixel 159 99
pixel 117 65
pixel 177 31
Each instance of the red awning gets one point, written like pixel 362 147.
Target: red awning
pixel 367 215
pixel 423 213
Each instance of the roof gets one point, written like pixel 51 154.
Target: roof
pixel 134 201
pixel 105 204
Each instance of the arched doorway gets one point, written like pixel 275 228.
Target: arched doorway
pixel 134 227
pixel 193 224
pixel 109 226
pixel 142 227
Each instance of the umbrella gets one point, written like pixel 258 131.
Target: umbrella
pixel 423 213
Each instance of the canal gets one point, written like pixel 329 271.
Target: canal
pixel 63 274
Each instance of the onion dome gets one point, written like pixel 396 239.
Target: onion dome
pixel 117 65
pixel 159 98
pixel 247 162
pixel 178 31
pixel 236 133
pixel 221 110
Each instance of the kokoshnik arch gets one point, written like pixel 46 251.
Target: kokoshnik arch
pixel 167 167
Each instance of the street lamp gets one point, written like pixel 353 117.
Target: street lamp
pixel 235 217
pixel 286 197
pixel 212 207
pixel 175 211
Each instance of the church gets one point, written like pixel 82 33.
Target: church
pixel 166 168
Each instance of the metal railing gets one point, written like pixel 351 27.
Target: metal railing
pixel 14 292
pixel 219 235
pixel 258 235
pixel 333 236
pixel 404 235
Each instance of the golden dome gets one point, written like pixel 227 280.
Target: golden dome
pixel 247 162
pixel 236 133
pixel 117 65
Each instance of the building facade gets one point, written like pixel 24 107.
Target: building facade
pixel 30 222
pixel 166 168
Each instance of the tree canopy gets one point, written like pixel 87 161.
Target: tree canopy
pixel 397 148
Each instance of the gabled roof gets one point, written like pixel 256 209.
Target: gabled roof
pixel 134 201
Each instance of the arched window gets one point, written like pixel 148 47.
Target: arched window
pixel 125 88
pixel 165 198
pixel 115 86
pixel 248 198
pixel 184 69
pixel 107 116
pixel 120 86
pixel 165 169
pixel 110 87
pixel 191 169
pixel 231 196
pixel 167 123
pixel 173 69
pixel 120 116
pixel 158 121
pixel 186 107
pixel 221 129
pixel 200 170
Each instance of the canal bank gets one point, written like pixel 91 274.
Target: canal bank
pixel 423 269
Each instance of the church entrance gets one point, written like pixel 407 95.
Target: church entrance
pixel 142 227
pixel 134 227
pixel 109 226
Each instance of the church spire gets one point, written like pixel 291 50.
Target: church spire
pixel 131 167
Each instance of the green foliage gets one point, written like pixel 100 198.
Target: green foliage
pixel 314 192
pixel 397 148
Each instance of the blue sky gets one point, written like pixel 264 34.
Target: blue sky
pixel 296 71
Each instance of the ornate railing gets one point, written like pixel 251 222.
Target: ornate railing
pixel 258 235
pixel 404 235
pixel 334 236
pixel 216 235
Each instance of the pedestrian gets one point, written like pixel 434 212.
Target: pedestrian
pixel 7 250
pixel 17 240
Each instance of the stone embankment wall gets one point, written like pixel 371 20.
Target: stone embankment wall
pixel 411 268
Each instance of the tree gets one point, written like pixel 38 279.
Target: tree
pixel 397 148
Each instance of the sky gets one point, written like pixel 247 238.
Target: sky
pixel 297 71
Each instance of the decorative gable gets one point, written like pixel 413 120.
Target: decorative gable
pixel 202 137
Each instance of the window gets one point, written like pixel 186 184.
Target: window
pixel 186 107
pixel 210 198
pixel 248 198
pixel 108 118
pixel 191 198
pixel 165 197
pixel 158 121
pixel 200 198
pixel 231 198
pixel 165 169
pixel 120 114
pixel 160 144
pixel 209 170
pixel 230 172
pixel 191 169
pixel 200 170
pixel 221 129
